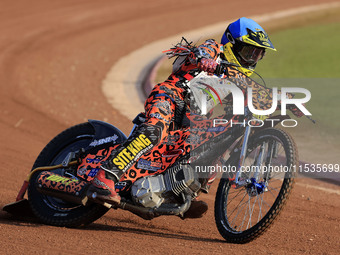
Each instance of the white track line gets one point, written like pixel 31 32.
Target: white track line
pixel 123 83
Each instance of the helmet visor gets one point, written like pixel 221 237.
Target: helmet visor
pixel 251 54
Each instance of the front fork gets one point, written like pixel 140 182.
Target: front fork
pixel 252 183
pixel 244 147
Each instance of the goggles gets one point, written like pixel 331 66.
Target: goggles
pixel 251 54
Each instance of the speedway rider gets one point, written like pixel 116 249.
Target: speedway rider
pixel 243 44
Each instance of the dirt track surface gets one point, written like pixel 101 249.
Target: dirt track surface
pixel 54 56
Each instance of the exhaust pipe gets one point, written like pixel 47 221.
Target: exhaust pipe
pixel 68 189
pixel 150 213
pixel 76 191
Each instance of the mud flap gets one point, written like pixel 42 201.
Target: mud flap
pixel 20 208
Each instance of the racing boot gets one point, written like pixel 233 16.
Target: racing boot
pixel 103 188
pixel 197 209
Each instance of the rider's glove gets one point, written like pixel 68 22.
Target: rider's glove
pixel 296 111
pixel 207 65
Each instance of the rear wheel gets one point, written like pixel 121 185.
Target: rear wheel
pixel 244 213
pixel 55 211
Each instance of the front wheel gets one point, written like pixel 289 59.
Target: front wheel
pixel 244 213
pixel 55 211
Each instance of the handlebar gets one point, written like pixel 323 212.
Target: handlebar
pixel 222 67
pixel 314 122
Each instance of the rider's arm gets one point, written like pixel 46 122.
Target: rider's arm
pixel 205 56
pixel 209 50
pixel 190 57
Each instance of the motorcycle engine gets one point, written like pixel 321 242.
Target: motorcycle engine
pixel 152 191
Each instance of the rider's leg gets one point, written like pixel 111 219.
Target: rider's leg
pixel 102 182
pixel 159 110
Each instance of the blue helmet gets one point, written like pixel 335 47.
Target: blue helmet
pixel 244 44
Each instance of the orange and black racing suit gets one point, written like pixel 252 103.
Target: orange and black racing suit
pixel 166 108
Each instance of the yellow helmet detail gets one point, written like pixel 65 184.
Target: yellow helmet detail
pixel 228 53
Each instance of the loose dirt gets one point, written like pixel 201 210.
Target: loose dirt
pixel 54 56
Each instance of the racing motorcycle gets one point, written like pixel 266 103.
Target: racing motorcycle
pixel 255 163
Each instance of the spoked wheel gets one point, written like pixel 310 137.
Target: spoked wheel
pixel 55 211
pixel 244 213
